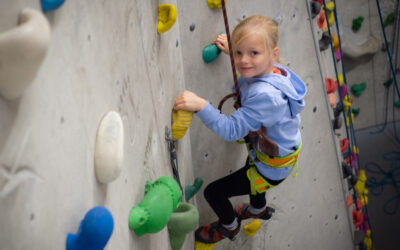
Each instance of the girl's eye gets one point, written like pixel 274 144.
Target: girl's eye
pixel 238 53
pixel 253 53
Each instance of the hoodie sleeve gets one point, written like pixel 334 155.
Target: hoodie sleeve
pixel 259 108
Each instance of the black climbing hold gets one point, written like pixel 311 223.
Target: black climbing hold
pixel 315 109
pixel 337 109
pixel 337 122
pixel 177 43
pixel 315 9
pixel 192 27
pixel 324 41
pixel 346 170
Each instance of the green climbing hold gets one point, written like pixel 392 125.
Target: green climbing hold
pixel 191 190
pixel 356 112
pixel 357 89
pixel 184 220
pixel 388 83
pixel 162 197
pixel 210 53
pixel 397 103
pixel 357 22
pixel 389 19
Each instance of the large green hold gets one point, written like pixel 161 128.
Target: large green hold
pixel 184 220
pixel 162 197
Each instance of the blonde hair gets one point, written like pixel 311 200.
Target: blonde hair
pixel 260 25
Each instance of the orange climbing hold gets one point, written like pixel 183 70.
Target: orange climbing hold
pixel 349 201
pixel 332 100
pixel 321 21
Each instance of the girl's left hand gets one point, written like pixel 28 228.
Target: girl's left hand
pixel 189 101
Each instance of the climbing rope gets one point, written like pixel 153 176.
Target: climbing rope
pixel 389 177
pixel 237 93
pixel 387 48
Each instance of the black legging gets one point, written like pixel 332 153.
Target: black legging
pixel 235 184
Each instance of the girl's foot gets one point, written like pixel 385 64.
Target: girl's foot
pixel 243 212
pixel 215 232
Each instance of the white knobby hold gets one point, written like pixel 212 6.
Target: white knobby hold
pixel 355 46
pixel 109 151
pixel 22 51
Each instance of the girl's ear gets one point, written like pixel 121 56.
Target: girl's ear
pixel 275 54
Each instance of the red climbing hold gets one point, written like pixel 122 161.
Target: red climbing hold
pixel 357 218
pixel 344 145
pixel 331 85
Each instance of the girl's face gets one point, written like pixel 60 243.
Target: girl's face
pixel 253 59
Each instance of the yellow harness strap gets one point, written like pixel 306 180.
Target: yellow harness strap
pixel 257 181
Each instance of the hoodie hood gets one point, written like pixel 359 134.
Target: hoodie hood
pixel 291 86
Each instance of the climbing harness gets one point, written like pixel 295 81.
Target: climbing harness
pixel 257 181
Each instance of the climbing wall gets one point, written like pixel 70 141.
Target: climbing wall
pixel 311 206
pixel 106 56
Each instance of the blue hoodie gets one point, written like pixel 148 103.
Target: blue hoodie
pixel 273 101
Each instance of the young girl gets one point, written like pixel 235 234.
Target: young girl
pixel 272 98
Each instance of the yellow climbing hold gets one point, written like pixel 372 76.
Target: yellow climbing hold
pixel 329 7
pixel 347 102
pixel 368 240
pixel 252 228
pixel 203 246
pixel 166 17
pixel 181 120
pixel 340 76
pixel 214 4
pixel 348 120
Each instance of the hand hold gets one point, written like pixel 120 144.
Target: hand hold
pixel 109 151
pixel 184 220
pixel 94 231
pixel 330 6
pixel 331 85
pixel 344 145
pixel 214 4
pixel 161 199
pixel 357 89
pixel 48 5
pixel 166 17
pixel 357 22
pixel 181 120
pixel 315 9
pixel 324 41
pixel 22 51
pixel 191 190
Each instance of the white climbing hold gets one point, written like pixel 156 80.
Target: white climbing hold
pixel 109 151
pixel 354 46
pixel 22 51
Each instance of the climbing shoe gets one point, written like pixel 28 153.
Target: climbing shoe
pixel 214 232
pixel 243 212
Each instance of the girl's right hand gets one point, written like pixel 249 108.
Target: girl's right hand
pixel 189 101
pixel 222 43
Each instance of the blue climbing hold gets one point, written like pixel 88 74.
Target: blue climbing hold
pixel 94 231
pixel 48 5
